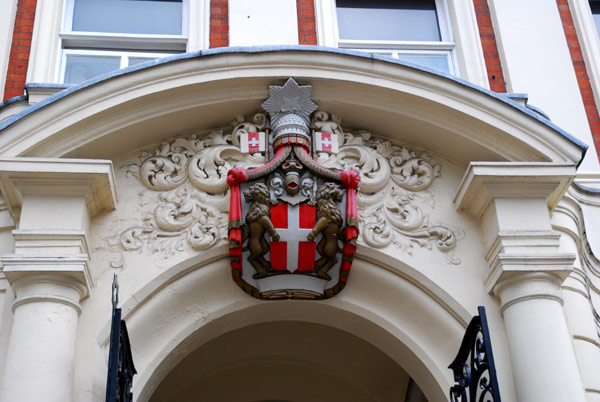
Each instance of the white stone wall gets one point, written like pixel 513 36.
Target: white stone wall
pixel 263 22
pixel 536 61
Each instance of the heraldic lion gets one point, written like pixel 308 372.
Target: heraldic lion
pixel 329 223
pixel 258 220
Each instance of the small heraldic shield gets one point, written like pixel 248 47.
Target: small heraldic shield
pixel 292 222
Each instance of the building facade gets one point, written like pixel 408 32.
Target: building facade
pixel 473 124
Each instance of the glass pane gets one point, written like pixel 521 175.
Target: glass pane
pixel 81 68
pixel 137 60
pixel 408 20
pixel 595 6
pixel 436 62
pixel 128 16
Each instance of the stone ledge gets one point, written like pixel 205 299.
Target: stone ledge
pixel 484 181
pixel 93 179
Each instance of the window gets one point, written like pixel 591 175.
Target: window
pixel 415 31
pixel 595 6
pixel 99 36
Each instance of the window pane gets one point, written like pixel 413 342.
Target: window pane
pixel 128 16
pixel 437 62
pixel 407 20
pixel 81 68
pixel 137 60
pixel 595 6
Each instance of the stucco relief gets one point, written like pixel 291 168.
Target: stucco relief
pixel 189 178
pixel 393 190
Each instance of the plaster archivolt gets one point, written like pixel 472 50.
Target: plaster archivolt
pixel 188 176
pixel 162 308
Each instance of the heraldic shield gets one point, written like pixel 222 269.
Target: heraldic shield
pixel 292 222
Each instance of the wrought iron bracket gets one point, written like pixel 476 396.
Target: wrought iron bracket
pixel 120 361
pixel 473 367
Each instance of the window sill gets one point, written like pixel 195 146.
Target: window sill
pixel 405 45
pixel 94 40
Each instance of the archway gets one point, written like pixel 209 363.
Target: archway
pixel 286 361
pixel 196 321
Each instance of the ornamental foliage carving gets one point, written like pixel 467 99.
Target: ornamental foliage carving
pixel 189 178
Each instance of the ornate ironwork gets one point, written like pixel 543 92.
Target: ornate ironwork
pixel 473 367
pixel 120 361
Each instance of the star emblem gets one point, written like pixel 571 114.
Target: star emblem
pixel 289 98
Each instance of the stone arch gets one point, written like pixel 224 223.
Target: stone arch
pixel 147 103
pixel 196 302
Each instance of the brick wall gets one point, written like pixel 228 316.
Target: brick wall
pixel 19 51
pixel 583 79
pixel 307 32
pixel 219 23
pixel 489 45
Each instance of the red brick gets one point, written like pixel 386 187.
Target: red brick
pixel 489 46
pixel 219 23
pixel 307 32
pixel 20 47
pixel 583 80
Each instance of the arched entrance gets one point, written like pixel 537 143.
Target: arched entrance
pixel 286 361
pixel 198 336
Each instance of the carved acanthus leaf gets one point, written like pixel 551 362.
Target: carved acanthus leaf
pixel 393 180
pixel 192 199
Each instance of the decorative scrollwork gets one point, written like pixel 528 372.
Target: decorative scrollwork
pixel 240 126
pixel 190 176
pixel 473 367
pixel 306 187
pixel 393 181
pixel 277 186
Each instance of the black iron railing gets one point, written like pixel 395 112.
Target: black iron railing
pixel 120 361
pixel 473 367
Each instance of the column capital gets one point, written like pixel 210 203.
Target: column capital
pixel 518 253
pixel 485 181
pixel 65 271
pixel 92 179
pixel 511 199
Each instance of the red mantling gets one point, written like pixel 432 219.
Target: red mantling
pixel 235 176
pixel 350 179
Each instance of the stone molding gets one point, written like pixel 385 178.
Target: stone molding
pixel 188 175
pixel 51 242
pixel 64 271
pixel 524 264
pixel 93 179
pixel 525 286
pixel 485 181
pixel 476 124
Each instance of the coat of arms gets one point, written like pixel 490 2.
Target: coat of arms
pixel 292 222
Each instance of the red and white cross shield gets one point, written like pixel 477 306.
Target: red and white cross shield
pixel 252 142
pixel 326 142
pixel 293 252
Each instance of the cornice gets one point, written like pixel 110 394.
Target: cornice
pixel 484 181
pixel 71 121
pixel 92 179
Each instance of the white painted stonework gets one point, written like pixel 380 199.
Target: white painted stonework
pixel 263 22
pixel 466 199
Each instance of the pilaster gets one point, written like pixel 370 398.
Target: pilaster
pixel 526 269
pixel 53 200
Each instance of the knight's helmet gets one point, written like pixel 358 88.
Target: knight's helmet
pixel 290 108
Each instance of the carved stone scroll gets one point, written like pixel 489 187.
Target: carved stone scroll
pixel 189 176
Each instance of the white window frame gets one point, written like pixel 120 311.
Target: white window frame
pixel 124 45
pixel 46 43
pixel 123 62
pixel 443 47
pixel 458 26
